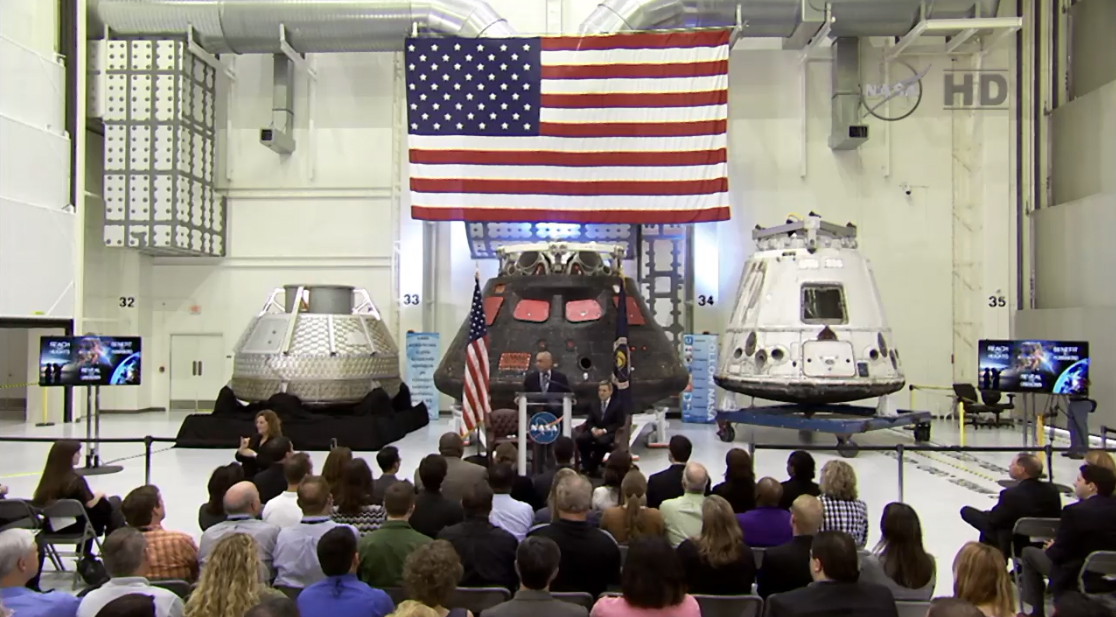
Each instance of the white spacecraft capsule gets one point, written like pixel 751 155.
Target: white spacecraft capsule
pixel 808 326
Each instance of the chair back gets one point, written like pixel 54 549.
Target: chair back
pixel 757 556
pixel 397 594
pixel 990 397
pixel 1102 563
pixel 67 508
pixel 729 606
pixel 912 609
pixel 966 393
pixel 503 423
pixel 477 599
pixel 290 592
pixel 19 515
pixel 1036 529
pixel 179 588
pixel 623 554
pixel 579 598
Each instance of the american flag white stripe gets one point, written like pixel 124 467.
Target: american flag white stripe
pixel 665 145
pixel 528 172
pixel 634 114
pixel 543 203
pixel 633 56
pixel 640 85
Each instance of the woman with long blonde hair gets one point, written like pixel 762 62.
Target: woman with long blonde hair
pixel 718 562
pixel 230 582
pixel 632 518
pixel 980 577
pixel 842 510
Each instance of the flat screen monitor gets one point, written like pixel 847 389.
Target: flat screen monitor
pixel 1045 367
pixel 89 361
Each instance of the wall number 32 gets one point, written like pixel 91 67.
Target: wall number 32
pixel 411 299
pixel 997 301
pixel 705 300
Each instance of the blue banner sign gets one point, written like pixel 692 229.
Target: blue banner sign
pixel 699 400
pixel 423 352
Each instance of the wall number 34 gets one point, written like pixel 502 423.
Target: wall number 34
pixel 997 301
pixel 411 299
pixel 705 300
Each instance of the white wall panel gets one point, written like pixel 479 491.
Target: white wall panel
pixel 36 261
pixel 31 23
pixel 34 165
pixel 34 86
pixel 311 227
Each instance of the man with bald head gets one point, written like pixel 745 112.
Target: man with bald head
pixel 544 378
pixel 242 505
pixel 461 475
pixel 767 524
pixel 787 567
pixel 682 515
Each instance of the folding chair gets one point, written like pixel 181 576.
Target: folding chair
pixel 757 556
pixel 179 587
pixel 1102 563
pixel 579 598
pixel 729 606
pixel 67 508
pixel 912 609
pixel 477 599
pixel 1035 530
pixel 623 555
pixel 18 514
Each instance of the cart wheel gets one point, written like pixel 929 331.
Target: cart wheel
pixel 727 433
pixel 847 448
pixel 806 437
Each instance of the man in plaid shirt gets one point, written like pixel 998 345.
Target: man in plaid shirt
pixel 171 554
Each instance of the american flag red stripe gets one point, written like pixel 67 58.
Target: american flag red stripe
pixel 551 187
pixel 567 159
pixel 637 129
pixel 492 215
pixel 475 402
pixel 628 71
pixel 647 40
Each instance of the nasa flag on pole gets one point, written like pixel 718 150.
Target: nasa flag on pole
pixel 622 366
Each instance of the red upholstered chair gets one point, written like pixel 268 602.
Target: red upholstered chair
pixel 503 425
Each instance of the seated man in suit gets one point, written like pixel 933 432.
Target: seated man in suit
pixel 787 567
pixel 544 379
pixel 1086 526
pixel 1031 497
pixel 597 434
pixel 536 561
pixel 835 590
pixel 667 484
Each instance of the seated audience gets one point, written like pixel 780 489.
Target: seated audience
pixel 836 590
pixel 357 506
pixel 900 562
pixel 536 563
pixel 270 481
pixel 487 551
pixel 130 605
pixel 801 469
pixel 340 593
pixel 268 427
pixel 433 511
pixel 952 607
pixel 125 553
pixel 516 517
pixel 607 495
pixel 549 514
pixel 296 547
pixel 19 564
pixel 388 460
pixel 633 519
pixel 230 582
pixel 717 561
pixel 653 583
pixel 1086 526
pixel 767 524
pixel 170 554
pixel 1077 604
pixel 523 488
pixel 1031 497
pixel 60 481
pixel 682 515
pixel 383 551
pixel 841 509
pixel 213 511
pixel 1100 458
pixel 283 511
pixel 667 484
pixel 242 505
pixel 590 557
pixel 430 575
pixel 563 457
pixel 739 487
pixel 980 577
pixel 274 607
pixel 414 608
pixel 460 474
pixel 787 567
pixel 334 469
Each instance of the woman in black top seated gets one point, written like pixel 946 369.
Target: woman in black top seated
pixel 739 487
pixel 268 426
pixel 213 511
pixel 717 562
pixel 801 469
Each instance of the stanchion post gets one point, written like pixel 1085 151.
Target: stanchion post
pixel 147 459
pixel 961 423
pixel 1048 450
pixel 1040 440
pixel 912 401
pixel 899 452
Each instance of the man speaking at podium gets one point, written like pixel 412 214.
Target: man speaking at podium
pixel 595 437
pixel 544 379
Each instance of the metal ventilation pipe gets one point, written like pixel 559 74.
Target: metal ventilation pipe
pixel 252 26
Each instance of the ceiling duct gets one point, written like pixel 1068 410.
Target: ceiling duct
pixel 847 130
pixel 253 26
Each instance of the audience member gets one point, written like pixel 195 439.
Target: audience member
pixel 274 607
pixel 125 553
pixel 414 608
pixel 431 573
pixel 767 524
pixel 334 469
pixel 633 519
pixel 596 436
pixel 60 481
pixel 296 547
pixel 739 487
pixel 388 460
pixel 980 577
pixel 952 607
pixel 536 563
pixel 130 605
pixel 1031 497
pixel 242 505
pixel 271 481
pixel 383 551
pixel 682 515
pixel 836 590
pixel 1077 604
pixel 653 583
pixel 509 514
pixel 718 561
pixel 1100 458
pixel 268 427
pixel 523 488
pixel 19 564
pixel 563 457
pixel 549 514
pixel 433 510
pixel 170 554
pixel 460 474
pixel 607 495
pixel 1086 526
pixel 357 506
pixel 230 583
pixel 213 511
pixel 283 511
pixel 487 551
pixel 667 484
pixel 801 469
pixel 899 562
pixel 787 567
pixel 842 510
pixel 340 593
pixel 590 557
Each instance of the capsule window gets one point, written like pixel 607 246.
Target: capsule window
pixel 578 311
pixel 492 306
pixel 535 311
pixel 823 303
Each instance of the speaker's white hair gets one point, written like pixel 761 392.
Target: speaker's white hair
pixel 14 544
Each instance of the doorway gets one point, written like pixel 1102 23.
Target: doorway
pixel 197 371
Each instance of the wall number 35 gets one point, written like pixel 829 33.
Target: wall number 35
pixel 997 301
pixel 410 299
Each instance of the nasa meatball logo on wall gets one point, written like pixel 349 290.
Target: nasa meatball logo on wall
pixel 543 428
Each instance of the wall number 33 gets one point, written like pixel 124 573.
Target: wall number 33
pixel 410 299
pixel 997 301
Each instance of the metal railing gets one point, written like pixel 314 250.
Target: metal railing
pixel 146 440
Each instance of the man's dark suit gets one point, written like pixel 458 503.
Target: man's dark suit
pixel 1029 498
pixel 785 568
pixel 667 484
pixel 832 599
pixel 609 415
pixel 380 486
pixel 557 383
pixel 1086 526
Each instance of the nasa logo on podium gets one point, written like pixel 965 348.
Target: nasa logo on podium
pixel 543 428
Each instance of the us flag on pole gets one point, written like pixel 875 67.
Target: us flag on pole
pixel 624 128
pixel 475 404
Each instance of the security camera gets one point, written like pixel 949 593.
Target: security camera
pixel 277 140
pixel 906 189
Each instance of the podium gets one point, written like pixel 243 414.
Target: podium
pixel 554 402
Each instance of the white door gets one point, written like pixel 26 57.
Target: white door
pixel 197 370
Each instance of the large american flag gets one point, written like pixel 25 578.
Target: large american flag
pixel 624 128
pixel 475 403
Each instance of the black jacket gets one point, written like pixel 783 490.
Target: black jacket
pixel 542 484
pixel 785 568
pixel 433 513
pixel 487 553
pixel 1028 498
pixel 612 418
pixel 830 599
pixel 1086 526
pixel 380 486
pixel 590 557
pixel 795 488
pixel 558 382
pixel 667 484
pixel 730 579
pixel 740 495
pixel 270 482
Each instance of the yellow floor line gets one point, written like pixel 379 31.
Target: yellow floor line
pixel 937 459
